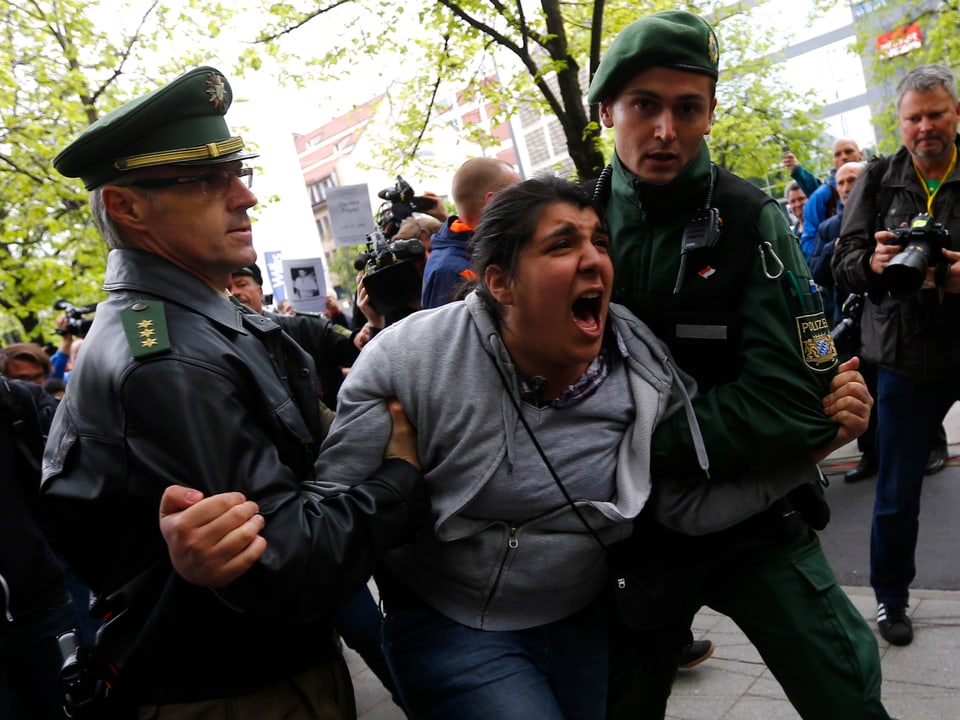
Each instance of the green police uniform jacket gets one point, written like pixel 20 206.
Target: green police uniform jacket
pixel 229 403
pixel 758 347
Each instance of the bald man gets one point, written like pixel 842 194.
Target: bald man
pixel 829 231
pixel 825 200
pixel 448 267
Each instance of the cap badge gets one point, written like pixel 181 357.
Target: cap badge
pixel 713 49
pixel 217 91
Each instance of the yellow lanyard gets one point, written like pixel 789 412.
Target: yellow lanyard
pixel 923 183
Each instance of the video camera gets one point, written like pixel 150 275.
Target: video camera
pixel 403 202
pixel 923 240
pixel 391 276
pixel 77 324
pixel 404 194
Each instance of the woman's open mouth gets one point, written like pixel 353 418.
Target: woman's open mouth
pixel 587 311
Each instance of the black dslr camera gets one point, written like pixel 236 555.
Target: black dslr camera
pixel 922 241
pixel 391 276
pixel 77 324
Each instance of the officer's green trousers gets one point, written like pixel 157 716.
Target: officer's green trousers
pixel 778 588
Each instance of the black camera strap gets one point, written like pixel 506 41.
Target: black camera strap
pixel 543 456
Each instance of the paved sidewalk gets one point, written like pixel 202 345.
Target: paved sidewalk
pixel 920 681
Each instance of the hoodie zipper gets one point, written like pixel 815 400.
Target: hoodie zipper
pixel 513 542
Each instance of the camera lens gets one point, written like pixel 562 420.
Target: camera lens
pixel 906 271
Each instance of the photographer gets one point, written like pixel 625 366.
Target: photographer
pixel 72 326
pixel 911 334
pixel 390 272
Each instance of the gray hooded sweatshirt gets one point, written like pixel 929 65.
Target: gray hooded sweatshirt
pixel 442 366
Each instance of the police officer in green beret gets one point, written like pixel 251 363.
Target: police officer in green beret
pixel 708 261
pixel 180 386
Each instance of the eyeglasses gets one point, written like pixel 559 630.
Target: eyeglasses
pixel 214 181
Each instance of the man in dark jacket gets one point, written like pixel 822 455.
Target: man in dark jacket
pixel 737 311
pixel 180 385
pixel 827 234
pixel 328 343
pixel 910 326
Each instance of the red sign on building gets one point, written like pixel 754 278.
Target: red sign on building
pixel 900 41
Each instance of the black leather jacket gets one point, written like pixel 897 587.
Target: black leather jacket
pixel 31 578
pixel 330 345
pixel 919 335
pixel 232 405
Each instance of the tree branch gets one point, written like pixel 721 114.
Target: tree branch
pixel 301 22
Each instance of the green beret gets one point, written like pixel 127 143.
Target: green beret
pixel 180 123
pixel 252 271
pixel 672 39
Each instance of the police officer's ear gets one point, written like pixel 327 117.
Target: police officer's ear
pixel 499 284
pixel 606 113
pixel 126 206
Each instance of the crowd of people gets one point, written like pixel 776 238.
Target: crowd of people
pixel 571 441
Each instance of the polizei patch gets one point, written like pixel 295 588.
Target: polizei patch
pixel 816 345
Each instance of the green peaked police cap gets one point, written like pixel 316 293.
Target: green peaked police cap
pixel 672 39
pixel 180 123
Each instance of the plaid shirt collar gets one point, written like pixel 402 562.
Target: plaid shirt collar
pixel 531 388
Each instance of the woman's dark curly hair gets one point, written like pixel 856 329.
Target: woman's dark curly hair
pixel 509 222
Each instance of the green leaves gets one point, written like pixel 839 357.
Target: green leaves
pixel 63 64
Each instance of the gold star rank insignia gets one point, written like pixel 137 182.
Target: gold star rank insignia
pixel 145 327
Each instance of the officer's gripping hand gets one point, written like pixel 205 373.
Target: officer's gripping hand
pixel 403 438
pixel 211 541
pixel 849 403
